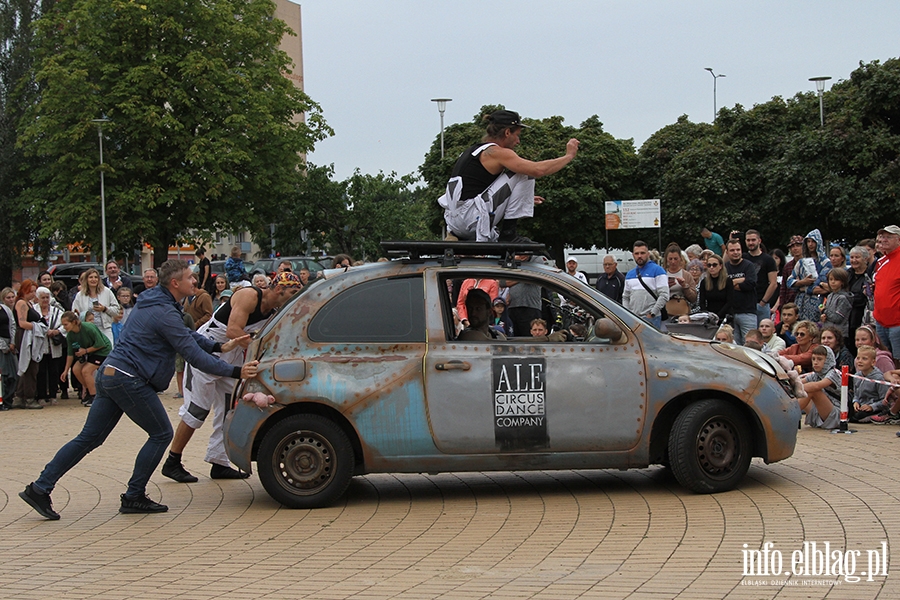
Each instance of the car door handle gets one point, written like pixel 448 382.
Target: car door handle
pixel 453 365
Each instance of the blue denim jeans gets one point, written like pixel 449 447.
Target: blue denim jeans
pixel 116 395
pixel 762 312
pixel 890 337
pixel 743 322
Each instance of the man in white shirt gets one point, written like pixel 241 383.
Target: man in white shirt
pixel 770 340
pixel 572 269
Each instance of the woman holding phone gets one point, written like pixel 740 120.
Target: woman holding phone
pixel 95 303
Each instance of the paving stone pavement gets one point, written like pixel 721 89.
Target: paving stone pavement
pixel 554 535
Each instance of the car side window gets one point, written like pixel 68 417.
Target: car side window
pixel 380 311
pixel 526 309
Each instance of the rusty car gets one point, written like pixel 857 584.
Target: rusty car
pixel 368 376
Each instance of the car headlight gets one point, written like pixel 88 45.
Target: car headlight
pixel 762 361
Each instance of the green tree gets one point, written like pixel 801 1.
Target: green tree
pixel 661 148
pixel 19 221
pixel 775 169
pixel 351 216
pixel 204 133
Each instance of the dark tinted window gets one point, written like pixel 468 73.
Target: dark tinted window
pixel 380 311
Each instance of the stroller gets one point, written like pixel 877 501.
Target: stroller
pixel 702 325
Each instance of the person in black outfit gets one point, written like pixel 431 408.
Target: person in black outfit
pixel 860 287
pixel 715 289
pixel 742 276
pixel 204 272
pixel 8 362
pixel 612 282
pixel 26 317
pixel 491 186
pixel 766 273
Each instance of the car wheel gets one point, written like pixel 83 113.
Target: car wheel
pixel 305 461
pixel 709 447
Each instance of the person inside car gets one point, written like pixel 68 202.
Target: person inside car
pixel 478 307
pixel 541 333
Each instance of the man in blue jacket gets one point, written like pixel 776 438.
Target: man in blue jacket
pixel 140 366
pixel 646 286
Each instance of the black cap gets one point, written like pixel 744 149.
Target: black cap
pixel 478 295
pixel 506 118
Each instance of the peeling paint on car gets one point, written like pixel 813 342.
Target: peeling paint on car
pixel 602 405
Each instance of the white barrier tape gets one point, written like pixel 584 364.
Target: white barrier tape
pixel 882 382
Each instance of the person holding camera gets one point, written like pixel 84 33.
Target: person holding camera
pixel 89 347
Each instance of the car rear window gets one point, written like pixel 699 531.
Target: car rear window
pixel 380 311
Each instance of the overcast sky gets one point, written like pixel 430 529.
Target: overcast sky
pixel 375 65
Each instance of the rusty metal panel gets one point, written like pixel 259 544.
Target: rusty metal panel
pixel 384 391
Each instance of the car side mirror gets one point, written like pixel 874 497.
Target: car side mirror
pixel 607 328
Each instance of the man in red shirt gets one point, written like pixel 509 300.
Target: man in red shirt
pixel 887 288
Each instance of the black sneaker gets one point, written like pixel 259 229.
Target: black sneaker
pixel 39 502
pixel 173 469
pixel 223 472
pixel 88 400
pixel 141 505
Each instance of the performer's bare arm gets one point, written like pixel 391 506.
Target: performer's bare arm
pixel 243 302
pixel 497 158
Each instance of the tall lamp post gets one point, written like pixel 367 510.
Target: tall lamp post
pixel 715 77
pixel 100 123
pixel 820 87
pixel 442 106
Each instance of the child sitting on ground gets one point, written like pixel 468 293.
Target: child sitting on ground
pixel 836 310
pixel 891 400
pixel 867 395
pixel 823 389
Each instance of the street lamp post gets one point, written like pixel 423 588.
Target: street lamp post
pixel 715 77
pixel 820 87
pixel 100 123
pixel 442 106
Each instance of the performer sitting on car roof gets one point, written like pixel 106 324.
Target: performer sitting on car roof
pixel 491 187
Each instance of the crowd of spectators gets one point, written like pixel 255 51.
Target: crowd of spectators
pixel 819 308
pixel 815 306
pixel 53 339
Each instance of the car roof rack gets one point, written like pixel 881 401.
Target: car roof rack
pixel 451 252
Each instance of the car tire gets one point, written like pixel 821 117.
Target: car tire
pixel 305 461
pixel 709 447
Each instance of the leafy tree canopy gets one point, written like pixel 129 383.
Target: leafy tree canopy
pixel 775 169
pixel 204 133
pixel 351 216
pixel 19 221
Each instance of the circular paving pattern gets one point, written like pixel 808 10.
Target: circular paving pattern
pixel 553 534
